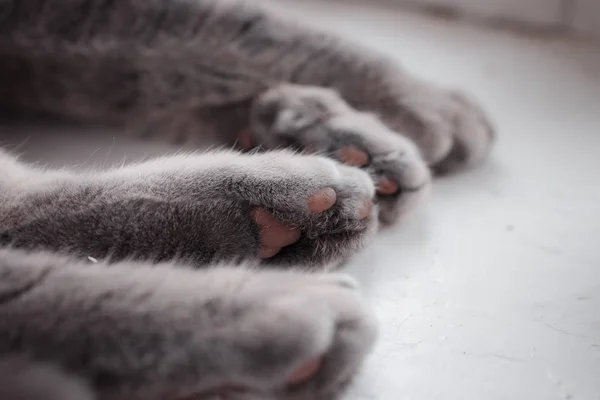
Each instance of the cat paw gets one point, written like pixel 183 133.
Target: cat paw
pixel 472 132
pixel 312 210
pixel 317 120
pixel 306 337
pixel 451 130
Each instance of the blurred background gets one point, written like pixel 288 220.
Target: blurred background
pixel 491 291
pixel 580 18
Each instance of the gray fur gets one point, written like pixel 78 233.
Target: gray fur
pixel 134 331
pixel 138 61
pixel 179 69
pixel 195 208
pixel 24 379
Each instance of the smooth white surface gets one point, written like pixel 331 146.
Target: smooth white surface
pixel 544 12
pixel 491 291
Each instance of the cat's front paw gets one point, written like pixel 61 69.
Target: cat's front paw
pixel 310 210
pixel 317 120
pixel 300 337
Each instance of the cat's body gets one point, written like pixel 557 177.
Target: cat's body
pixel 129 328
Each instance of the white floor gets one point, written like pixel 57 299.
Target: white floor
pixel 492 290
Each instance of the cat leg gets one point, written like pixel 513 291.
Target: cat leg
pixel 165 331
pixel 187 61
pixel 149 67
pixel 278 207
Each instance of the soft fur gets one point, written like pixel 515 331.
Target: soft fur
pixel 180 304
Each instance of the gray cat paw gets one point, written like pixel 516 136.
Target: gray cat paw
pixel 306 337
pixel 451 130
pixel 472 134
pixel 317 120
pixel 319 211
